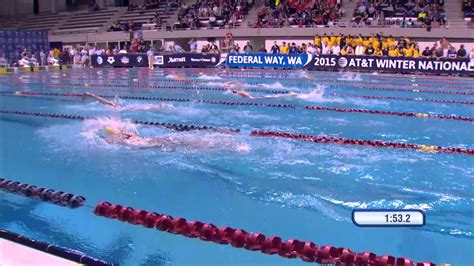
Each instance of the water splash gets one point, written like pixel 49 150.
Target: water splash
pixel 206 77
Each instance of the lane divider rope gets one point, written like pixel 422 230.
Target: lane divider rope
pixel 262 133
pixel 239 238
pixel 382 112
pixel 48 195
pixel 360 142
pixel 150 98
pixel 321 108
pixel 403 98
pixel 176 127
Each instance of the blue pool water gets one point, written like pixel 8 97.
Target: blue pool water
pixel 278 187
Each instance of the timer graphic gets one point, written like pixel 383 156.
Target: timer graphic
pixel 388 218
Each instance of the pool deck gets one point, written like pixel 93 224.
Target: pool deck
pixel 12 253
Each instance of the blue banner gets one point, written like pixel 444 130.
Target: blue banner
pixel 12 43
pixel 392 64
pixel 293 61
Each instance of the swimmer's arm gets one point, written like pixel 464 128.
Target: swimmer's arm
pixel 100 99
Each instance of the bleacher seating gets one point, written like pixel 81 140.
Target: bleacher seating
pixel 86 21
pixel 44 21
pixel 212 14
pixel 140 17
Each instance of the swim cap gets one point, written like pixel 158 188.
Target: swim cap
pixel 110 130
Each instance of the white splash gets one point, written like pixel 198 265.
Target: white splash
pixel 206 77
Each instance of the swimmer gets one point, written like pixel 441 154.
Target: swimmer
pixel 245 94
pixel 101 100
pixel 234 83
pixel 129 107
pixel 132 139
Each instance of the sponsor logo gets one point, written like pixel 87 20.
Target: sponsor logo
pixel 139 59
pixel 111 60
pixel 342 62
pixel 177 60
pixel 159 60
pixel 99 60
pixel 124 60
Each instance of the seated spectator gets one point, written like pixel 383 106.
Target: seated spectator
pixel 427 53
pixel 93 6
pixel 117 26
pixel 462 53
pixel 262 50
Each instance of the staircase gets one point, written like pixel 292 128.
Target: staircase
pixel 454 13
pixel 349 6
pixel 453 9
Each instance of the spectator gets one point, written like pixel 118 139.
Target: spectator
pixel 275 48
pixel 284 48
pixel 42 58
pixel 248 48
pixel 192 45
pixel 360 49
pixel 427 53
pixel 93 6
pixel 262 50
pixel 336 49
pixel 293 49
pixel 151 57
pixel 452 53
pixel 177 48
pixel 462 53
pixel 471 54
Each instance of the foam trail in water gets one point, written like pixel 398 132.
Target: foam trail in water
pixel 317 95
pixel 351 76
pixel 206 77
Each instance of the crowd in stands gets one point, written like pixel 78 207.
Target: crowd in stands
pixel 147 4
pixel 375 45
pixel 305 13
pixel 118 26
pixel 468 8
pixel 212 13
pixel 404 13
pixel 154 4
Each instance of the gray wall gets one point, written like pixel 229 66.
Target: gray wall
pixel 11 8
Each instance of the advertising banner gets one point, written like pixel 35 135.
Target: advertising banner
pixel 391 64
pixel 12 43
pixel 168 60
pixel 292 61
pixel 187 60
pixel 121 60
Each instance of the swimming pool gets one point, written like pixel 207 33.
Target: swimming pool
pixel 277 186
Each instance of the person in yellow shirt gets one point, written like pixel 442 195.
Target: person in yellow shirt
pixel 408 52
pixel 416 52
pixel 332 40
pixel 366 42
pixel 378 52
pixel 284 48
pixel 349 40
pixel 358 40
pixel 338 39
pixel 375 44
pixel 393 52
pixel 56 52
pixel 325 38
pixel 343 51
pixel 391 41
pixel 317 40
